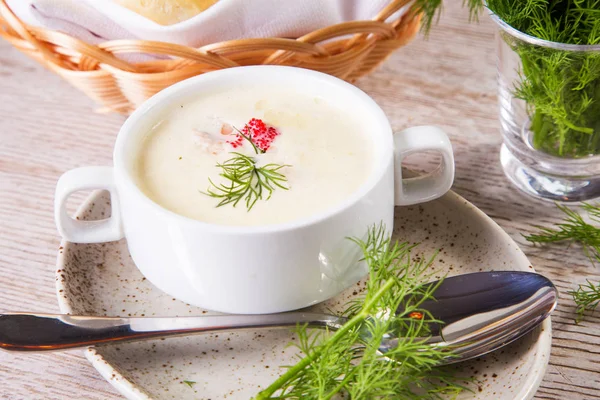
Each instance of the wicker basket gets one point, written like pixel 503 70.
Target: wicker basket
pixel 348 50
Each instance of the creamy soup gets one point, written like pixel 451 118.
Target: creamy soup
pixel 326 152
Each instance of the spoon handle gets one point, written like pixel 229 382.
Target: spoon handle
pixel 44 332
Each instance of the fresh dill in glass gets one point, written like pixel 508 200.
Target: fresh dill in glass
pixel 575 229
pixel 246 180
pixel 344 363
pixel 561 88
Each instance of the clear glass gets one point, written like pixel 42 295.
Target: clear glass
pixel 549 98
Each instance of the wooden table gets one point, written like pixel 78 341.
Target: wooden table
pixel 48 127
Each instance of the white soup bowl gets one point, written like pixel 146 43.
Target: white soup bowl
pixel 255 269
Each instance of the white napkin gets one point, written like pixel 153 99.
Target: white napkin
pixel 100 20
pixel 74 17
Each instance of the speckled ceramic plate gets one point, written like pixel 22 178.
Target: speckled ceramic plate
pixel 101 279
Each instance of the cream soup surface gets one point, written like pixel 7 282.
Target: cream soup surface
pixel 327 148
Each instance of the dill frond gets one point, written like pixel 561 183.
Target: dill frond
pixel 573 229
pixel 247 181
pixel 347 362
pixel 587 298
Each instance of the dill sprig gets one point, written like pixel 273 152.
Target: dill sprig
pixel 348 362
pixel 561 88
pixel 587 298
pixel 246 180
pixel 574 229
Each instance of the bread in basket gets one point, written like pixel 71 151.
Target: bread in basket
pixel 347 50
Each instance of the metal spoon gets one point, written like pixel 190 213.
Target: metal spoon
pixel 481 312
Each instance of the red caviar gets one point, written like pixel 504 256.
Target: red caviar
pixel 239 140
pixel 259 133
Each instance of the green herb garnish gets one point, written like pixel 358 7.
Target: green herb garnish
pixel 246 181
pixel 332 363
pixel 561 88
pixel 189 383
pixel 587 298
pixel 574 229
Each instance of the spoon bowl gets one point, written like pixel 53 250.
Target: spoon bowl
pixel 484 311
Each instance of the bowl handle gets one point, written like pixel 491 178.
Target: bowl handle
pixel 77 231
pixel 432 185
